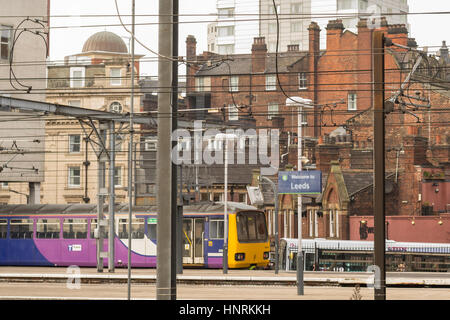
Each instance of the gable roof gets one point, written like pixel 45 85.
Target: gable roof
pixel 242 64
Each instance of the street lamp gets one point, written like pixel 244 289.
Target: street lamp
pixel 225 137
pixel 275 193
pixel 299 103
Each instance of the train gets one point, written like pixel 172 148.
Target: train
pixel 64 235
pixel 357 256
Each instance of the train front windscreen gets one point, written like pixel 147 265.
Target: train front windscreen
pixel 251 227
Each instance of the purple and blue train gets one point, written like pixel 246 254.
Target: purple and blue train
pixel 63 235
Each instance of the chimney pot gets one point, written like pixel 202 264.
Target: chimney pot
pixel 293 47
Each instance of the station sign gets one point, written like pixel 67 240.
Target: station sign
pixel 300 182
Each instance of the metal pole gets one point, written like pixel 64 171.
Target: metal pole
pixel 225 211
pixel 130 152
pixel 177 210
pixel 379 164
pixel 166 266
pixel 275 193
pixel 300 284
pixel 112 196
pixel 101 160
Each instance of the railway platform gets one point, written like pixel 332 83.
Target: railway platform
pixel 217 277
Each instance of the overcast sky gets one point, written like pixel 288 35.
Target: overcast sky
pixel 68 34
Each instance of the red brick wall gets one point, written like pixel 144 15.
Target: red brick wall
pixel 400 228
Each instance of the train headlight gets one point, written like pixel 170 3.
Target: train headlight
pixel 239 256
pixel 266 255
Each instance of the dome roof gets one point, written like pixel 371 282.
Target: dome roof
pixel 105 41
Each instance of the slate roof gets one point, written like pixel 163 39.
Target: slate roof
pixel 241 64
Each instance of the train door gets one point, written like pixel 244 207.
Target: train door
pixel 193 240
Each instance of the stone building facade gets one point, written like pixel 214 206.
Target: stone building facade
pixel 98 78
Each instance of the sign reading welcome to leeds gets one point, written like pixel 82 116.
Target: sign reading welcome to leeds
pixel 300 182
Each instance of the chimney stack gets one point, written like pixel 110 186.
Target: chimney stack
pixel 259 52
pixel 335 29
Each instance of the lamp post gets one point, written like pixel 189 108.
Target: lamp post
pixel 275 194
pixel 225 137
pixel 300 103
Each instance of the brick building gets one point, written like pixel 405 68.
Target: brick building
pixel 339 128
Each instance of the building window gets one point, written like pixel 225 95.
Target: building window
pixel 272 9
pixel 217 197
pixel 5 41
pixel 115 77
pixel 302 80
pixel 119 142
pixel 296 7
pixel 272 28
pixel 234 83
pixel 346 4
pixel 204 196
pixel 352 103
pixel 226 48
pixel 363 5
pixel 74 143
pixel 233 112
pixel 271 82
pixel 226 13
pixel 272 110
pixel 151 144
pixel 203 84
pixel 296 26
pixel 4 185
pixel 117 176
pixel 77 77
pixel 74 177
pixel 332 223
pixel 227 31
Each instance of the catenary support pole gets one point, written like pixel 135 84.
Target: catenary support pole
pixel 300 280
pixel 101 192
pixel 166 266
pixel 111 207
pixel 130 151
pixel 379 164
pixel 176 171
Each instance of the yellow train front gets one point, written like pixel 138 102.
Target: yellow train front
pixel 248 241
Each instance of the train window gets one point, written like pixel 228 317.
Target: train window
pixel 94 226
pixel 137 228
pixel 75 228
pixel 47 229
pixel 3 228
pixel 251 227
pixel 151 228
pixel 21 229
pixel 216 229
